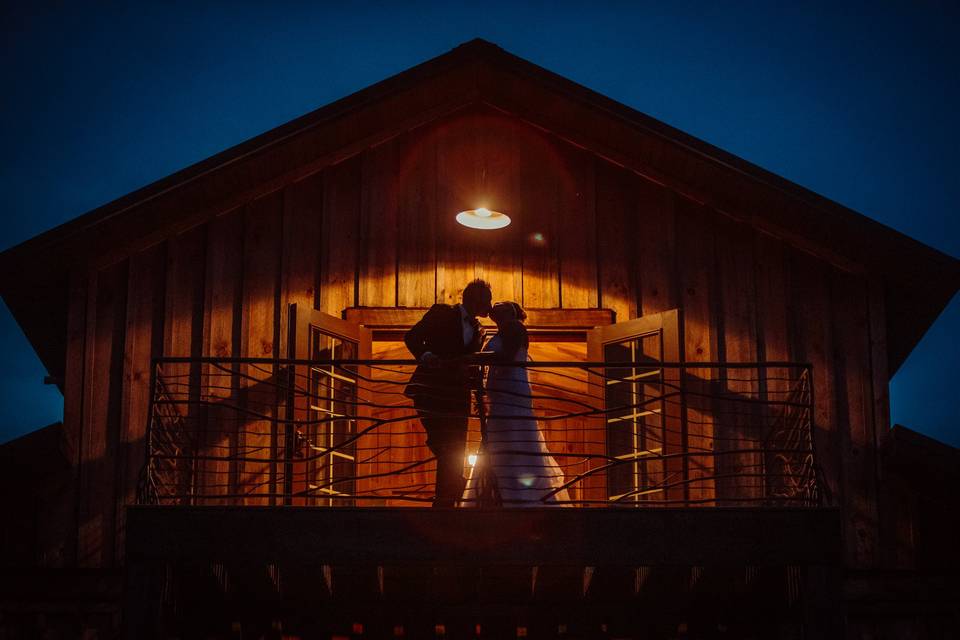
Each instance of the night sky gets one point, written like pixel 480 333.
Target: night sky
pixel 857 103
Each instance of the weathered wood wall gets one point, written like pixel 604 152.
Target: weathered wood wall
pixel 377 229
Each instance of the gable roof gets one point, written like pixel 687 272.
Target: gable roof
pixel 919 280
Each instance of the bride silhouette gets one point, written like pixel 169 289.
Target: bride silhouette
pixel 514 466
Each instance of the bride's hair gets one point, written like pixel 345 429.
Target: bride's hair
pixel 518 312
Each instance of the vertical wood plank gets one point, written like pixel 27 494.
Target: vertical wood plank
pixel 144 318
pixel 300 257
pixel 615 240
pixel 378 225
pixel 878 362
pixel 89 534
pixel 880 390
pixel 73 388
pixel 539 203
pixel 73 394
pixel 458 188
pixel 771 285
pixel 223 280
pixel 773 333
pixel 101 433
pixel 737 425
pixel 222 315
pixel 417 221
pixel 183 337
pixel 577 232
pixel 261 281
pixel 854 419
pixel 498 256
pixel 339 236
pixel 811 338
pixel 695 246
pixel 656 242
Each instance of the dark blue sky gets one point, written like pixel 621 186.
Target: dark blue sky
pixel 858 103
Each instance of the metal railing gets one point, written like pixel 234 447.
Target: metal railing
pixel 254 431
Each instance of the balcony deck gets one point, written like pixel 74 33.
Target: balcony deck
pixel 321 570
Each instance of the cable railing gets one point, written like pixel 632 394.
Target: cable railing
pixel 341 432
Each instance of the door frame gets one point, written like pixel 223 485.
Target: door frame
pixel 301 320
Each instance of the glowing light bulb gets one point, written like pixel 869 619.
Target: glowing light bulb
pixel 472 459
pixel 483 212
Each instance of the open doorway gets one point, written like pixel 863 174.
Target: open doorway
pixel 556 336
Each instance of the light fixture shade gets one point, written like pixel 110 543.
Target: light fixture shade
pixel 483 218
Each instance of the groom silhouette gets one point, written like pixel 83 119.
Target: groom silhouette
pixel 440 385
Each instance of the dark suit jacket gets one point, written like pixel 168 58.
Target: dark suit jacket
pixel 440 332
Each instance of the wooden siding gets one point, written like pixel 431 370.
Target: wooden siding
pixel 100 462
pixel 377 229
pixel 143 341
pixel 222 329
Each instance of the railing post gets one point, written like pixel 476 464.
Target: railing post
pixel 289 435
pixel 145 472
pixel 487 493
pixel 819 482
pixel 760 439
pixel 684 436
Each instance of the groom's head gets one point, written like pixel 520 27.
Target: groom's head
pixel 477 298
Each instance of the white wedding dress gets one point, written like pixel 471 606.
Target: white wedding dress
pixel 526 474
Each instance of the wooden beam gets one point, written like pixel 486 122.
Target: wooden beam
pixel 405 317
pixel 544 325
pixel 371 536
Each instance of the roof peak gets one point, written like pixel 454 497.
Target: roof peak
pixel 479 44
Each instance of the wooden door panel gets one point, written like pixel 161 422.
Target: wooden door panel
pixel 329 406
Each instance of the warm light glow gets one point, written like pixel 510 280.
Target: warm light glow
pixel 483 218
pixel 472 459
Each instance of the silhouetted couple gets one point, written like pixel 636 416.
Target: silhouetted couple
pixel 446 343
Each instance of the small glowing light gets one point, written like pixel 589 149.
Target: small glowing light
pixel 537 237
pixel 472 459
pixel 526 480
pixel 483 218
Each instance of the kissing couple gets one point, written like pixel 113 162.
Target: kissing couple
pixel 448 344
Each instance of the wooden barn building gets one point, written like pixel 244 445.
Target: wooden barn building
pixel 710 344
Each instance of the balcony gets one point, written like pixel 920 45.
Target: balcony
pixel 630 434
pixel 287 490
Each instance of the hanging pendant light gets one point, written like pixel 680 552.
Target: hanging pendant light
pixel 483 218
